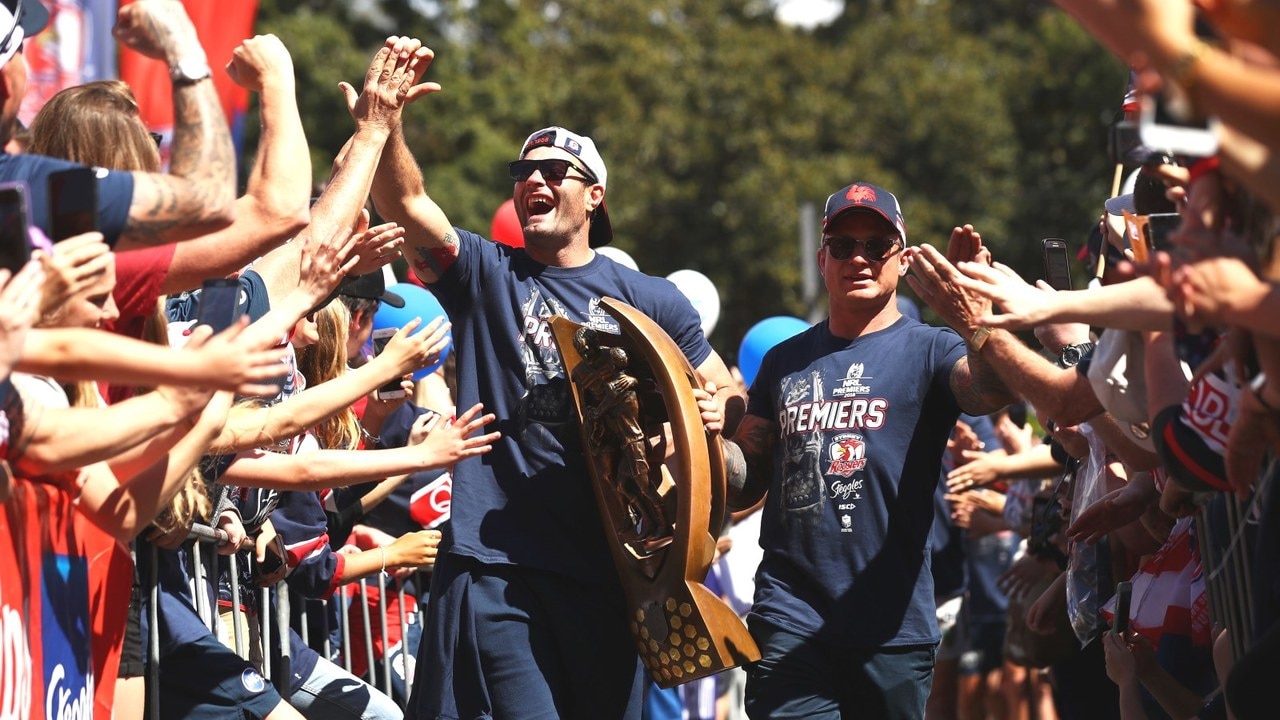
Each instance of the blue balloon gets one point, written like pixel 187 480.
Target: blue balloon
pixel 418 303
pixel 762 336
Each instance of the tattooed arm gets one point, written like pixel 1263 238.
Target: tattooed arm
pixel 198 194
pixel 400 195
pixel 977 387
pixel 1061 394
pixel 748 461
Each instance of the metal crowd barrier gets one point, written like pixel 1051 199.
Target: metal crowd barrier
pixel 1226 557
pixel 203 573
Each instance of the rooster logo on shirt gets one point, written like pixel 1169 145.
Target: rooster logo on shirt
pixel 848 454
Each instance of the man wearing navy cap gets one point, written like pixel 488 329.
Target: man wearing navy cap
pixel 527 616
pixel 856 412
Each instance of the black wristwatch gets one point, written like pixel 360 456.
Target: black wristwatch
pixel 1072 354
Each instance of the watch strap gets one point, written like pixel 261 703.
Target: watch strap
pixel 1071 355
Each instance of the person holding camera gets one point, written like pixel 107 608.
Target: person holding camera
pixel 844 607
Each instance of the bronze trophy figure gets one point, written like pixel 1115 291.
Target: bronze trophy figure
pixel 659 481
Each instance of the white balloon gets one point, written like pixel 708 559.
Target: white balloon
pixel 702 293
pixel 619 256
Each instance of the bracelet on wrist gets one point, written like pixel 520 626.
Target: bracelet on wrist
pixel 383 548
pixel 1257 386
pixel 978 339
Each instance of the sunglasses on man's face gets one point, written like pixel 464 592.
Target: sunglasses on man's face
pixel 874 249
pixel 551 169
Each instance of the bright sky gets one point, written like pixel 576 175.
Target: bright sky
pixel 808 13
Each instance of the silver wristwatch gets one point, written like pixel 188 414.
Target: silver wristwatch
pixel 190 70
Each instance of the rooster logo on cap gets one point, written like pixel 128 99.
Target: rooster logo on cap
pixel 861 194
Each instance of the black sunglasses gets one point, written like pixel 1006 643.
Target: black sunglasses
pixel 552 170
pixel 157 138
pixel 875 249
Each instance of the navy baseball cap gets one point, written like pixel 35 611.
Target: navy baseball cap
pixel 865 196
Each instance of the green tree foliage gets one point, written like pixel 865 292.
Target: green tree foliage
pixel 717 123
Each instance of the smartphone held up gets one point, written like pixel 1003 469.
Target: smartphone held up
pixel 15 244
pixel 73 202
pixel 392 389
pixel 219 303
pixel 1124 597
pixel 1057 265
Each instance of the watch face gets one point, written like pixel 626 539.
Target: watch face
pixel 191 69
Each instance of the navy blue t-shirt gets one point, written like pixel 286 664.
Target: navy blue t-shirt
pixel 115 191
pixel 529 502
pixel 863 425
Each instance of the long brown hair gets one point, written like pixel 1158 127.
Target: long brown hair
pixel 326 360
pixel 97 124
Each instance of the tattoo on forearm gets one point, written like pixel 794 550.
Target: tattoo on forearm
pixel 434 261
pixel 735 465
pixel 203 157
pixel 750 469
pixel 976 386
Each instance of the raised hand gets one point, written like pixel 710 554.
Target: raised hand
pixel 75 265
pixel 1023 305
pixel 159 29
pixel 390 83
pixel 259 60
pixel 325 262
pixel 447 443
pixel 409 351
pixel 376 246
pixel 414 550
pixel 965 245
pixel 237 360
pixel 933 278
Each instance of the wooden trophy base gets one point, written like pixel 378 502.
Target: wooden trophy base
pixel 659 480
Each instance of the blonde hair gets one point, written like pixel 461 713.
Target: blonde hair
pixel 98 124
pixel 326 360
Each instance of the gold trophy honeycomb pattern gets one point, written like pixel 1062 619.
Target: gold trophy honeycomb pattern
pixel 683 651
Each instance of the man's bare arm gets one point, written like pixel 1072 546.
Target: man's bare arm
pixel 400 195
pixel 1062 394
pixel 197 195
pixel 748 460
pixel 977 387
pixel 277 199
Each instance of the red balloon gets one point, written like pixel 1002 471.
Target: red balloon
pixel 506 227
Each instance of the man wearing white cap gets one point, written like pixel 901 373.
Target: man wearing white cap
pixel 527 617
pixel 137 207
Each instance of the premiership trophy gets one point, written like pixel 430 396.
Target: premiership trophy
pixel 659 481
